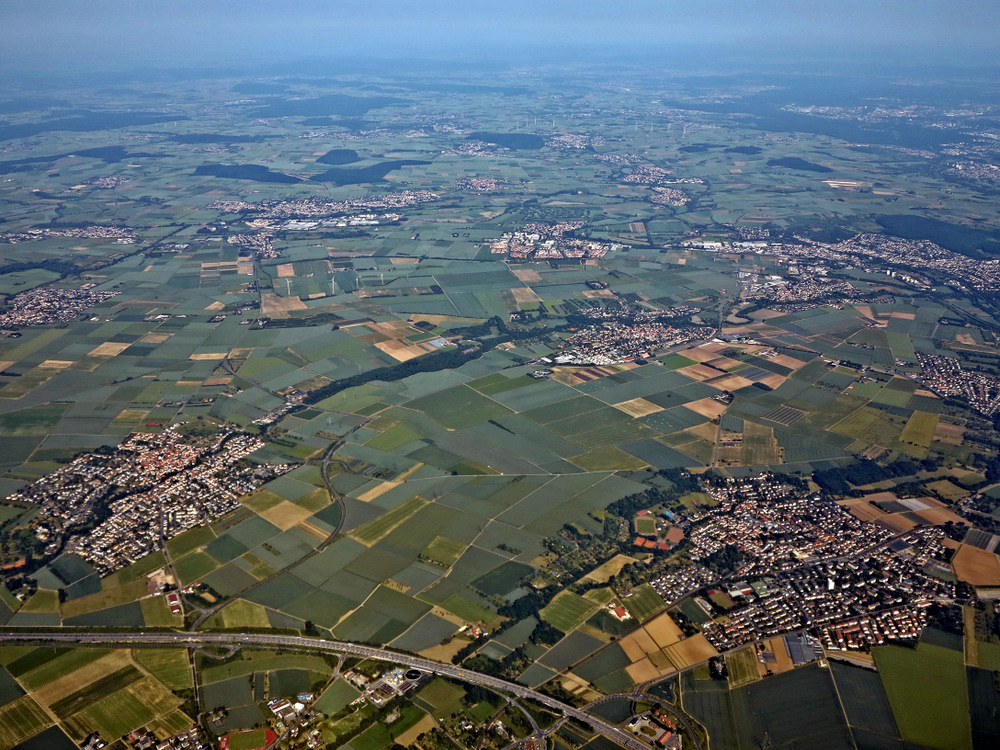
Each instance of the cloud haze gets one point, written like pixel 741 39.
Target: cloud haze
pixel 117 34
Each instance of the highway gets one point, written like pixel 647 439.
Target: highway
pixel 299 643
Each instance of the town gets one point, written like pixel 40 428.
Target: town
pixel 141 493
pixel 623 334
pixel 801 561
pixel 548 242
pixel 917 257
pixel 121 235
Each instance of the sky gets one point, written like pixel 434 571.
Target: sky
pixel 114 34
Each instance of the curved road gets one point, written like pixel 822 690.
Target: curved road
pixel 335 497
pixel 191 640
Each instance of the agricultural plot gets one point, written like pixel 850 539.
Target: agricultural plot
pixel 20 720
pixel 169 666
pixel 928 694
pixel 797 708
pixel 644 602
pixel 459 407
pixel 464 470
pixel 95 690
pixel 919 429
pixel 865 703
pixel 338 695
pixel 372 532
pixel 742 667
pixel 983 708
pixel 709 702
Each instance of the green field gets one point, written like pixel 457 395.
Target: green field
pixel 20 720
pixel 645 526
pixel 568 610
pixel 459 407
pixel 35 420
pixel 372 532
pixel 644 602
pixel 445 551
pixel 250 740
pixel 444 696
pixel 338 695
pixel 170 666
pixel 928 695
pixel 742 667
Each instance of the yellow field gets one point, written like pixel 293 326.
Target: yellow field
pixel 78 679
pixel 374 492
pixel 664 630
pixel 20 720
pixel 691 651
pixel 285 515
pixel 708 407
pixel 920 429
pixel 277 307
pixel 603 573
pixel 638 407
pixel 638 645
pixel 642 671
pixel 976 566
pixel 108 349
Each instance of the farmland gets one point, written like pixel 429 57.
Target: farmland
pixel 498 370
pixel 928 695
pixel 644 603
pixel 89 690
pixel 742 666
pixel 568 610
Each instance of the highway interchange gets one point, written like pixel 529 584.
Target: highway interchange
pixel 300 643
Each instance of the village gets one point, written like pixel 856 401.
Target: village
pixel 50 306
pixel 313 207
pixel 946 376
pixel 914 257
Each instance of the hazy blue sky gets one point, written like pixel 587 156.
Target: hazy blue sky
pixel 116 33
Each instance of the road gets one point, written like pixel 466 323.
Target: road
pixel 300 643
pixel 335 497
